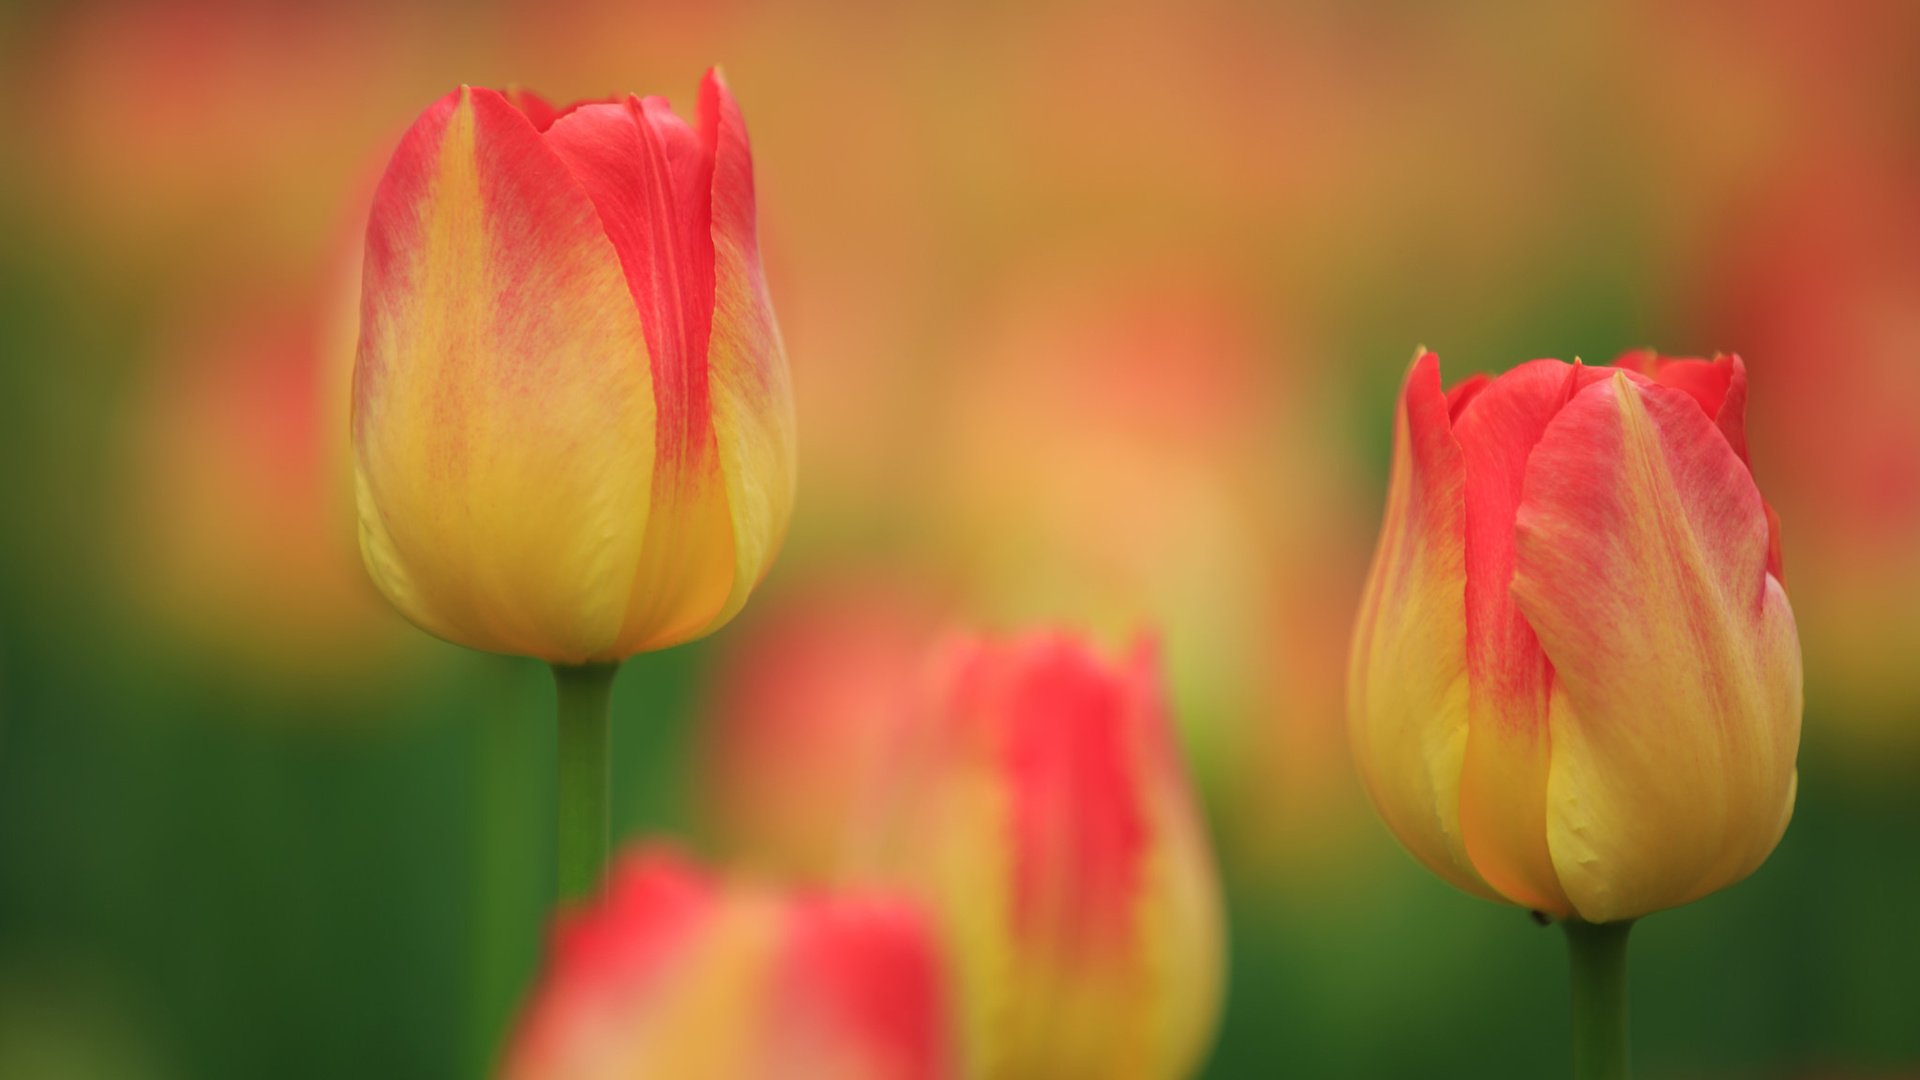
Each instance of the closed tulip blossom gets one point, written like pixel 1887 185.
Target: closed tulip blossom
pixel 572 425
pixel 571 414
pixel 674 973
pixel 1575 683
pixel 1046 816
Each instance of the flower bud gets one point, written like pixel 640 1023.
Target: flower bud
pixel 1575 682
pixel 1047 818
pixel 674 974
pixel 571 416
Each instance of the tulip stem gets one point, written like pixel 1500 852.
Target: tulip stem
pixel 1598 955
pixel 584 692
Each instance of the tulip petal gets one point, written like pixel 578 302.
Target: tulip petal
pixel 1407 683
pixel 675 974
pixel 746 361
pixel 609 967
pixel 858 993
pixel 502 414
pixel 1641 563
pixel 648 178
pixel 1730 416
pixel 1049 955
pixel 1182 917
pixel 542 113
pixel 1503 779
pixel 1464 392
pixel 1080 840
pixel 1073 869
pixel 1720 386
pixel 538 110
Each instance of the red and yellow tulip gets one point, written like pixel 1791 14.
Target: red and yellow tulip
pixel 572 420
pixel 675 974
pixel 1575 682
pixel 1048 820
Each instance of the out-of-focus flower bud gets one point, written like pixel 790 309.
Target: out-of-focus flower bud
pixel 675 974
pixel 1045 814
pixel 1575 682
pixel 572 421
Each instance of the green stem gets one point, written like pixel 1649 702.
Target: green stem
pixel 1598 954
pixel 584 694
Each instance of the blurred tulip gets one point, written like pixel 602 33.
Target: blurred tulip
pixel 571 413
pixel 676 975
pixel 1044 812
pixel 1575 682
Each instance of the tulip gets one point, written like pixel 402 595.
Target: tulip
pixel 572 427
pixel 1045 816
pixel 675 974
pixel 571 414
pixel 1575 683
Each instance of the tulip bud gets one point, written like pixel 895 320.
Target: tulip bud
pixel 673 974
pixel 1046 817
pixel 1575 683
pixel 571 415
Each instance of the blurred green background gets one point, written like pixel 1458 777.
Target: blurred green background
pixel 1096 313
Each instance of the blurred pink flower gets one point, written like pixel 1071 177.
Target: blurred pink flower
pixel 674 973
pixel 1042 809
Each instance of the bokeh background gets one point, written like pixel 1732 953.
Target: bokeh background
pixel 1096 313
